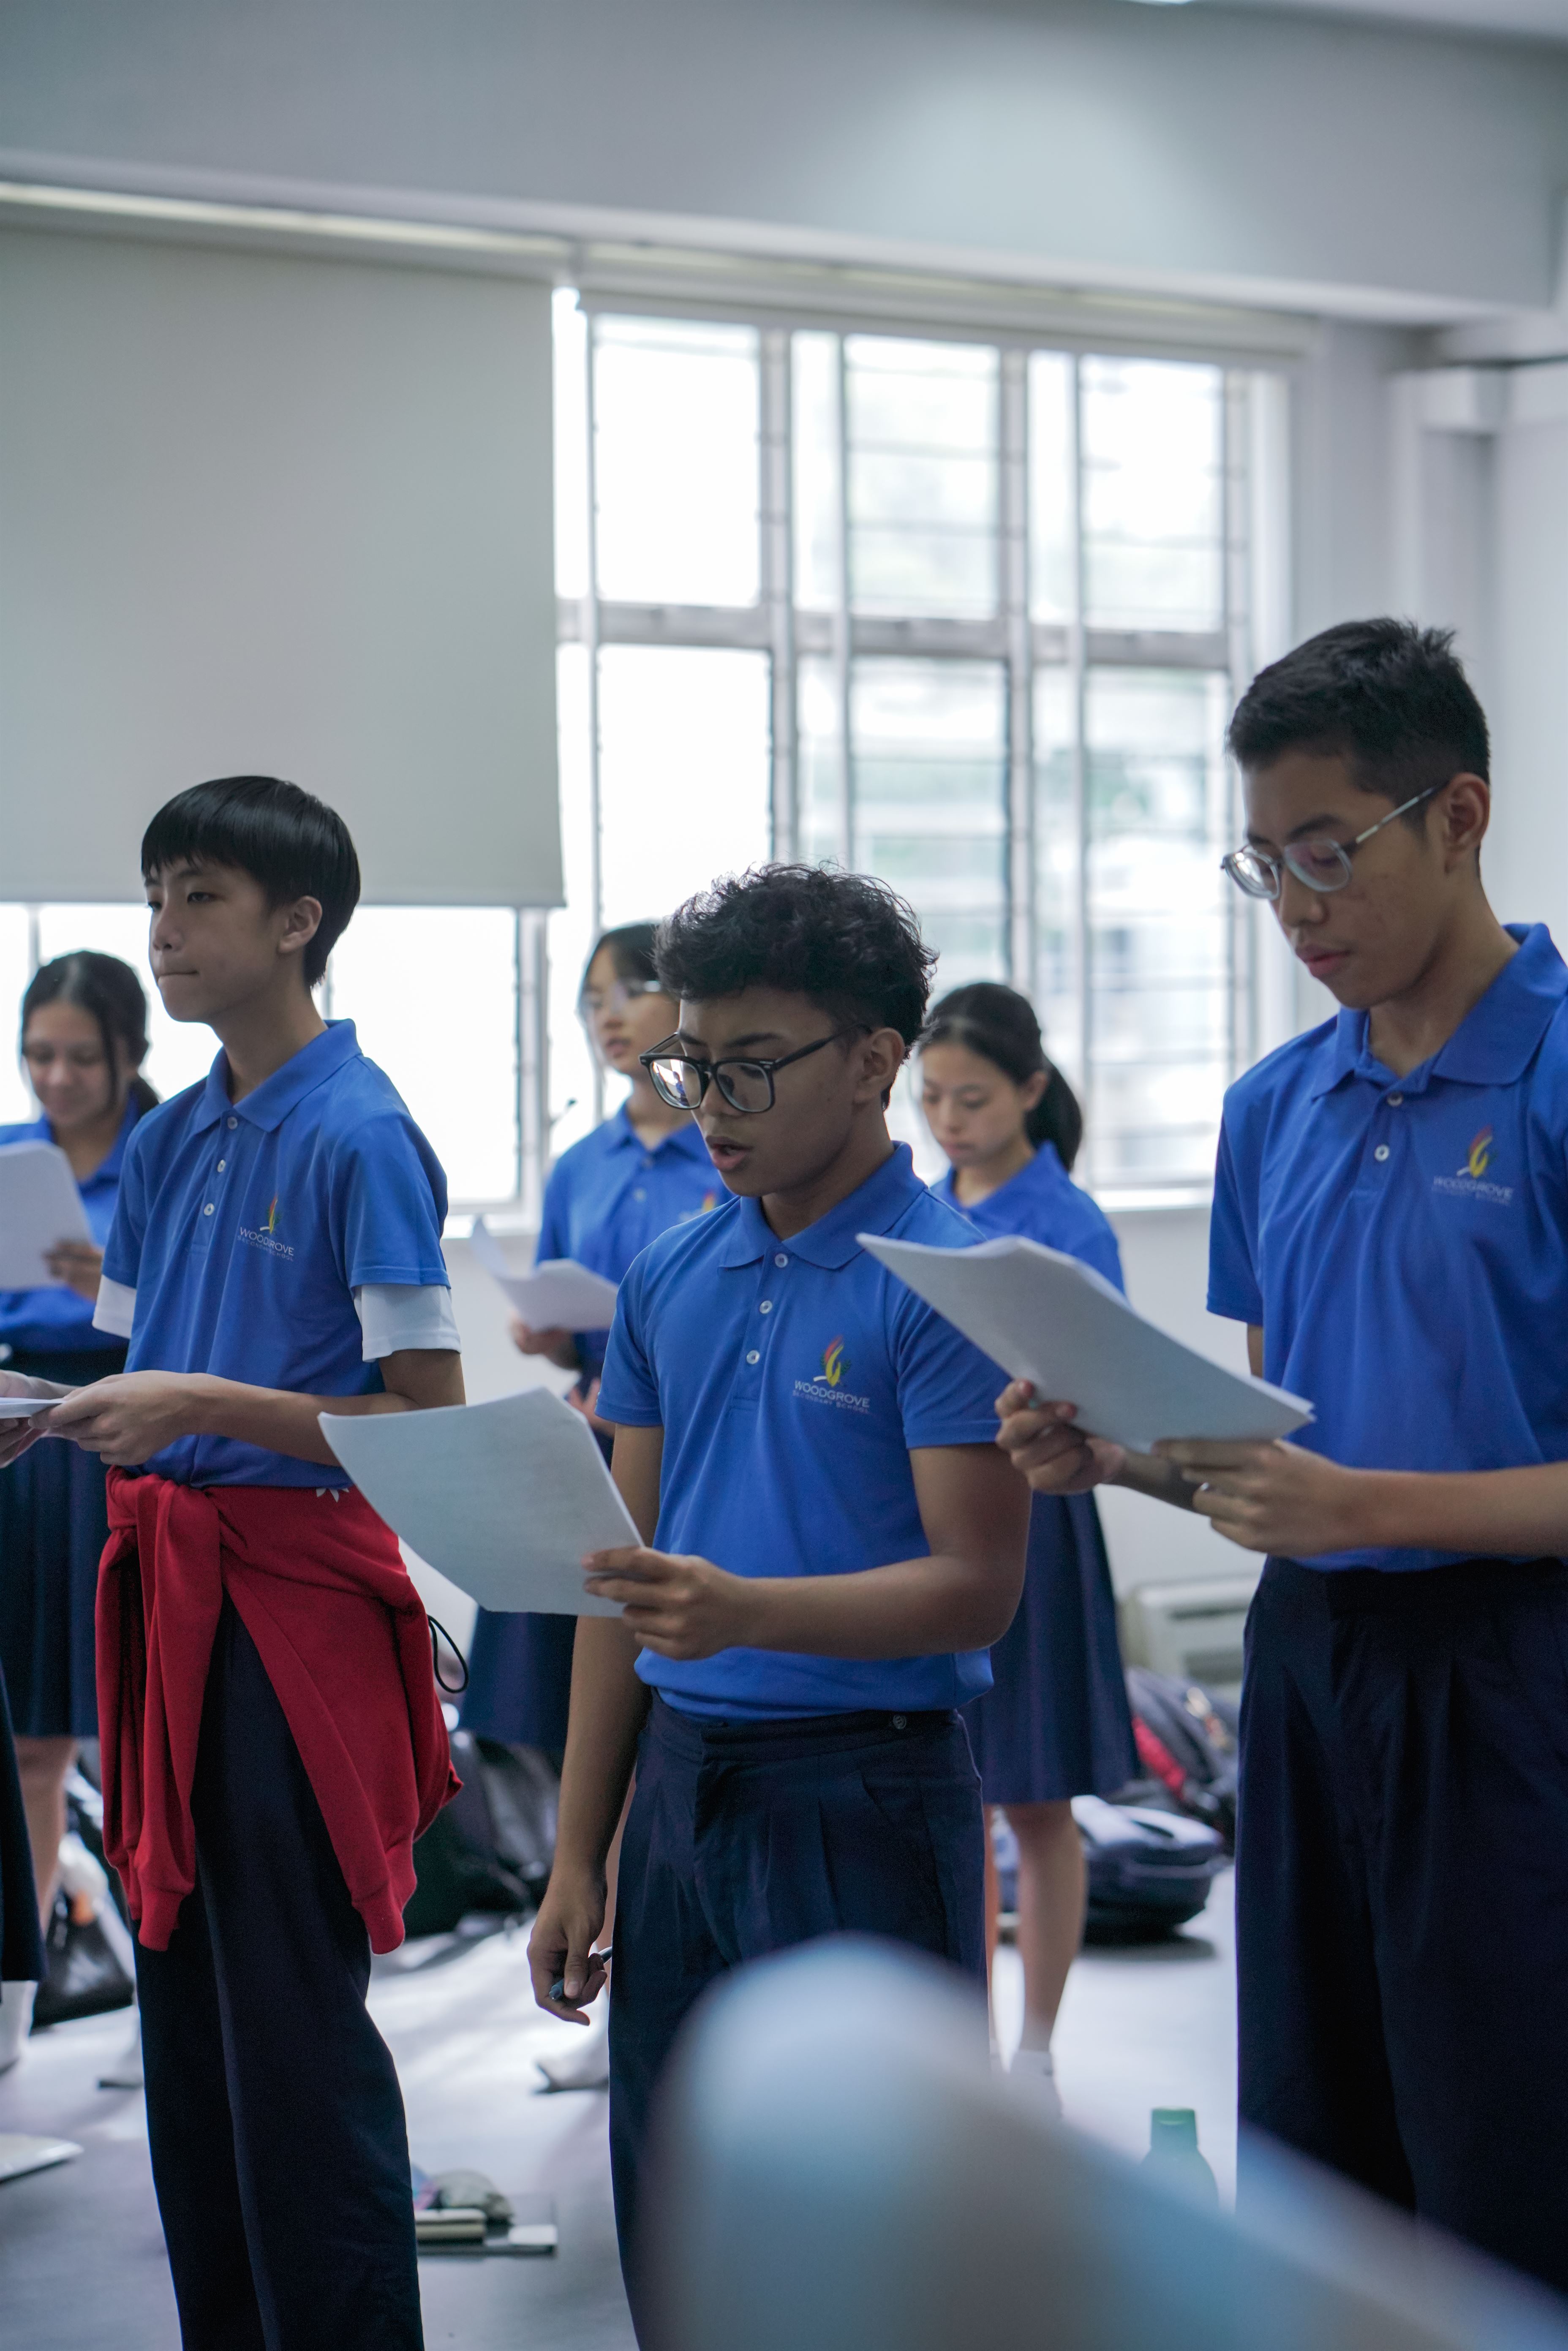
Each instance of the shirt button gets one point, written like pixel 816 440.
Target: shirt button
pixel 234 1122
pixel 208 1209
pixel 780 1259
pixel 638 1194
pixel 753 1357
pixel 221 1164
pixel 901 1722
pixel 765 1307
pixel 1394 1100
pixel 1381 1152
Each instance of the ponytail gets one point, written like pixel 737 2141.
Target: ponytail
pixel 999 1025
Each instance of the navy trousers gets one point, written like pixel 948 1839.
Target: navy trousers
pixel 279 2149
pixel 744 1838
pixel 1402 1889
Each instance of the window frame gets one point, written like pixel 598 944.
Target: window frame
pixel 1252 556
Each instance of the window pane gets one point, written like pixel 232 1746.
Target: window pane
pixel 685 772
pixel 923 426
pixel 1052 585
pixel 1057 964
pixel 816 487
pixel 1159 924
pixel 1153 510
pixel 431 991
pixel 675 455
pixel 819 738
pixel 15 1095
pixel 930 801
pixel 180 1052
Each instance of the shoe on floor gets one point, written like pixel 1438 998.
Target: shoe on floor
pixel 1034 2071
pixel 16 2016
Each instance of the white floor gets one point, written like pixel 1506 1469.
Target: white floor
pixel 80 2254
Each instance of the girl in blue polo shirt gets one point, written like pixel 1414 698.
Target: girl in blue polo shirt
pixel 1054 1724
pixel 1391 1224
pixel 84 1039
pixel 644 1169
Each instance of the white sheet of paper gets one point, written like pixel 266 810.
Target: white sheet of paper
pixel 504 1498
pixel 1047 1317
pixel 560 1295
pixel 24 1407
pixel 39 1204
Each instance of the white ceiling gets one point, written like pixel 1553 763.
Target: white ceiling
pixel 1548 19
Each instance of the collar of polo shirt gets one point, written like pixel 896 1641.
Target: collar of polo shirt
pixel 832 1241
pixel 1492 1044
pixel 272 1101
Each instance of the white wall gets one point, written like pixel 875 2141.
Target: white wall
pixel 1344 164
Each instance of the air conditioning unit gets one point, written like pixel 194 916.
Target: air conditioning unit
pixel 1190 1630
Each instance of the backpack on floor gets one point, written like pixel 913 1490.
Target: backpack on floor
pixel 1149 1871
pixel 1186 1737
pixel 491 1848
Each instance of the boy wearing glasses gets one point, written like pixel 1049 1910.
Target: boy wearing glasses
pixel 833 1539
pixel 1391 1223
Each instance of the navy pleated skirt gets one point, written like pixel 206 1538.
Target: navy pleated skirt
pixel 1056 1724
pixel 54 1523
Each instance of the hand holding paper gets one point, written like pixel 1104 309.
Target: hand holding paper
pixel 1049 1320
pixel 504 1498
pixel 560 1295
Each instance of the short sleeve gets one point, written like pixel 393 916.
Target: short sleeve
pixel 629 1390
pixel 1233 1285
pixel 388 1203
pixel 122 1249
pixel 946 1388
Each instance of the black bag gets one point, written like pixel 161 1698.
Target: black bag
pixel 82 1976
pixel 1186 1739
pixel 1149 1871
pixel 491 1848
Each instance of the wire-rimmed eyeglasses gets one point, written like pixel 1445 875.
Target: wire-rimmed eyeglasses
pixel 619 997
pixel 1321 863
pixel 745 1084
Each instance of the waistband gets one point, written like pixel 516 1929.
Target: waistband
pixel 701 1739
pixel 1458 1584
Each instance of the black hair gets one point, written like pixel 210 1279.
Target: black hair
pixel 631 947
pixel 289 841
pixel 1000 1026
pixel 110 993
pixel 1389 698
pixel 846 940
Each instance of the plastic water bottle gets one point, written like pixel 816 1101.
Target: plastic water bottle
pixel 1173 2152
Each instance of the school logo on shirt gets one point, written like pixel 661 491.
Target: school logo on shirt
pixel 265 1236
pixel 826 1386
pixel 1469 1182
pixel 689 1215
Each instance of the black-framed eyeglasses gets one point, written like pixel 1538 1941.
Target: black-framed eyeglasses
pixel 1323 865
pixel 745 1084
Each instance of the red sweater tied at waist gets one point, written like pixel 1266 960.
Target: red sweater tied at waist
pixel 320 1587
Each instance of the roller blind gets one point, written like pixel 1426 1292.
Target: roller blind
pixel 261 513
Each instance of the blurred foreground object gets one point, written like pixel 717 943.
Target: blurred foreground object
pixel 837 2169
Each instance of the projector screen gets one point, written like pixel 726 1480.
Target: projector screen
pixel 261 513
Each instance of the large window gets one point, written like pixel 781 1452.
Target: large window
pixel 960 612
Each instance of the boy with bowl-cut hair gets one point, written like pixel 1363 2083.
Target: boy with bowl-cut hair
pixel 272 1738
pixel 832 1540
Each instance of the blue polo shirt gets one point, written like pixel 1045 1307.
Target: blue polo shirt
pixel 610 1195
pixel 791 1379
pixel 1043 1202
pixel 1403 1241
pixel 245 1227
pixel 56 1319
